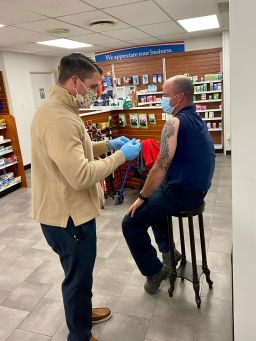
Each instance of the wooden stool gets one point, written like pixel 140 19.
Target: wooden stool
pixel 186 269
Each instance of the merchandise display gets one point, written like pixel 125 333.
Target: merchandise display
pixel 208 91
pixel 152 118
pixel 143 121
pixel 134 121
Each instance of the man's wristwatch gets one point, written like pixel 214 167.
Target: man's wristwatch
pixel 141 197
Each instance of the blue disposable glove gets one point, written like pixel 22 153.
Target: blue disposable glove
pixel 118 142
pixel 131 149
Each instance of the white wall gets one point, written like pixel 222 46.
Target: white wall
pixel 202 43
pixel 243 125
pixel 17 70
pixel 226 90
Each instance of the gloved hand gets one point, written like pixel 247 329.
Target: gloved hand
pixel 131 149
pixel 118 142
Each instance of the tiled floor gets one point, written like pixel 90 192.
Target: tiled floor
pixel 30 277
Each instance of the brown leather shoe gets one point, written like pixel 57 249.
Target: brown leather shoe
pixel 93 339
pixel 100 315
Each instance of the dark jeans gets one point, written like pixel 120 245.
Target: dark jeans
pixel 153 212
pixel 76 247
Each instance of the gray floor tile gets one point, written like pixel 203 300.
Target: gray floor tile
pixel 32 289
pixel 45 318
pixel 20 301
pixel 11 277
pixel 110 282
pixel 219 262
pixel 134 301
pixel 106 245
pixel 203 335
pixel 55 292
pixel 168 329
pixel 222 288
pixel 3 295
pixel 22 335
pixel 120 260
pixel 9 320
pixel 218 317
pixel 125 328
pixel 47 272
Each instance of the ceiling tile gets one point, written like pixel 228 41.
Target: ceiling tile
pixel 52 8
pixel 8 35
pixel 10 15
pixel 162 28
pixel 145 41
pixel 183 9
pixel 49 24
pixel 95 39
pixel 84 19
pixel 127 34
pixel 143 13
pixel 187 35
pixel 111 46
pixel 108 3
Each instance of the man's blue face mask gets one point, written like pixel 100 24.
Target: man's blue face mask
pixel 166 105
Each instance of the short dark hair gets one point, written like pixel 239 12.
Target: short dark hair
pixel 100 70
pixel 76 64
pixel 185 85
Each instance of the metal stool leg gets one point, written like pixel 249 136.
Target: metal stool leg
pixel 205 268
pixel 173 273
pixel 196 284
pixel 182 241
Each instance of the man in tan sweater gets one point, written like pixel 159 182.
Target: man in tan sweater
pixel 65 179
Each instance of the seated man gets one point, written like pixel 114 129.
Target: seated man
pixel 178 181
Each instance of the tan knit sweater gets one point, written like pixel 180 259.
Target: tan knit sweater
pixel 64 172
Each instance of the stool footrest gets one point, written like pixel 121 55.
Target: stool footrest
pixel 185 271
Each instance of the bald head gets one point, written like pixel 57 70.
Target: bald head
pixel 179 84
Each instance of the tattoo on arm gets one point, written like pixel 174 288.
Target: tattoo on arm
pixel 164 158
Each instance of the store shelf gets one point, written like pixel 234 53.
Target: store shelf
pixel 2 127
pixel 212 119
pixel 209 101
pixel 149 93
pixel 148 103
pixel 208 82
pixel 5 141
pixel 215 129
pixel 6 152
pixel 218 146
pixel 208 92
pixel 11 184
pixel 8 165
pixel 208 110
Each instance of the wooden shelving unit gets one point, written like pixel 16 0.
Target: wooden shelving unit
pixel 11 146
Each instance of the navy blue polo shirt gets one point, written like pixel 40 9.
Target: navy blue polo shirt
pixel 193 164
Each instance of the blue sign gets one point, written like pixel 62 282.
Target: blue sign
pixel 139 52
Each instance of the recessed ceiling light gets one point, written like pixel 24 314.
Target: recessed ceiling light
pixel 199 24
pixel 64 43
pixel 2 25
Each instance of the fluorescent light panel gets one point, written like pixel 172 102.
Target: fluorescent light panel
pixel 199 24
pixel 64 43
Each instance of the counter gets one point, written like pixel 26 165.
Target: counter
pixel 100 110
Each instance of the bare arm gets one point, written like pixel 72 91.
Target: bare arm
pixel 160 168
pixel 167 151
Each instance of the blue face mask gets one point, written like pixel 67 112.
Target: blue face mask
pixel 166 106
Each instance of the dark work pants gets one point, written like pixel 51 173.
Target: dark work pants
pixel 76 247
pixel 164 201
